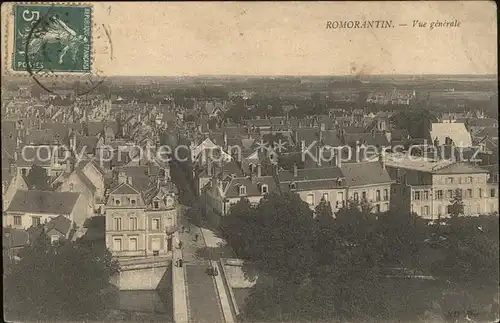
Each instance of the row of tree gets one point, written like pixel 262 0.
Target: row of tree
pixel 313 266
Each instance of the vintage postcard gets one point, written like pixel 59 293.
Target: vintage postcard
pixel 287 161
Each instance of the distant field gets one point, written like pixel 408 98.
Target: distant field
pixel 462 95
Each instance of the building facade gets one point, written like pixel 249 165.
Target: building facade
pixel 140 224
pixel 428 187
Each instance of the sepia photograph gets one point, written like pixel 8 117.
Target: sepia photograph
pixel 265 162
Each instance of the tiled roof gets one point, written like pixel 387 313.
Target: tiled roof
pixel 252 187
pixel 489 131
pixel 364 173
pixel 485 122
pixel 60 223
pixel 85 180
pixel 89 142
pixel 143 183
pixel 43 202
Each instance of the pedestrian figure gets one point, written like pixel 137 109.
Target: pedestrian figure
pixel 180 262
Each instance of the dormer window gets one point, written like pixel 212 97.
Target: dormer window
pixel 169 202
pixel 293 186
pixel 156 204
pixel 263 189
pixel 117 202
pixel 243 190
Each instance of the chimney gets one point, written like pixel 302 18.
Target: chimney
pixel 72 141
pixel 13 169
pixel 381 159
pixel 69 165
pixel 319 156
pixel 122 177
pixel 388 136
pixel 321 135
pixel 209 168
pixel 295 170
pixel 225 139
pixel 259 170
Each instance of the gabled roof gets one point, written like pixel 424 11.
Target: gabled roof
pixel 61 223
pixel 124 188
pixel 45 202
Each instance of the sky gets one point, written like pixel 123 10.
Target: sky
pixel 287 38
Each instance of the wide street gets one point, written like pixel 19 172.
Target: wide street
pixel 202 296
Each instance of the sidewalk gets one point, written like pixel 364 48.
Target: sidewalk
pixel 213 242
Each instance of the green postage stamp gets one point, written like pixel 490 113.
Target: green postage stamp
pixel 52 38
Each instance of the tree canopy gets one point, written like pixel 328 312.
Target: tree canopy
pixel 62 282
pixel 417 120
pixel 316 265
pixel 38 179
